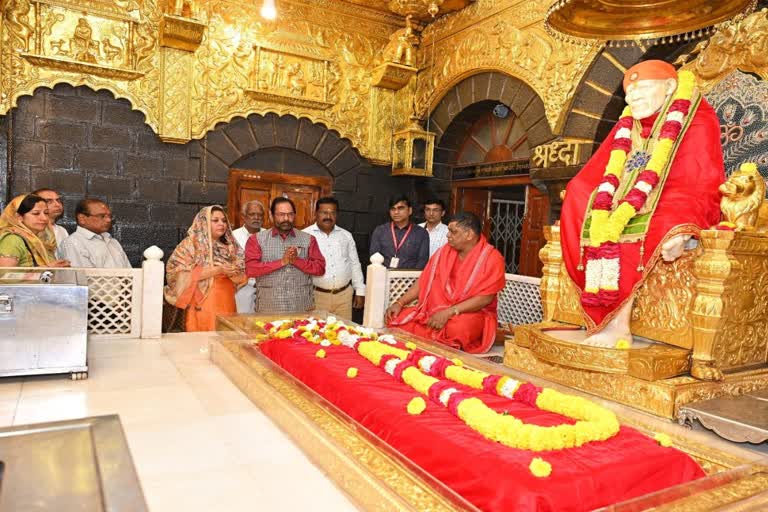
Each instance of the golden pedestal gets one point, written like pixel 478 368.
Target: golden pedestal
pixel 707 311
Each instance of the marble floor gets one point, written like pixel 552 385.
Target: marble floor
pixel 197 442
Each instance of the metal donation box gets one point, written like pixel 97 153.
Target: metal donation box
pixel 43 321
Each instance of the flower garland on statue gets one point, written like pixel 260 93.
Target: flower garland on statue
pixel 429 375
pixel 607 225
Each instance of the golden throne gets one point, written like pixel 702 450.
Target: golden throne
pixel 706 314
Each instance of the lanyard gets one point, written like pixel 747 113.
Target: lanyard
pixel 394 238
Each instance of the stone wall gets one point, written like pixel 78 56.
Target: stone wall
pixel 86 143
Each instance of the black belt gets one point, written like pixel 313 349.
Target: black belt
pixel 334 292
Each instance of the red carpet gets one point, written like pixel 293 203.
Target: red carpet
pixel 492 476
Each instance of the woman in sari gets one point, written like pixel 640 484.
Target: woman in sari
pixel 205 270
pixel 26 239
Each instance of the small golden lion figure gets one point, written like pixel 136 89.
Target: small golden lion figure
pixel 743 194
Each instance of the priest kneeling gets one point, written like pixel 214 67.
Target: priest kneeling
pixel 456 291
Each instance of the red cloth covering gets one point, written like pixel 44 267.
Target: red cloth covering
pixel 689 202
pixel 447 281
pixel 486 473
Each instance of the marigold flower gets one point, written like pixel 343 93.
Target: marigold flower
pixel 352 373
pixel 540 468
pixel 663 439
pixel 457 361
pixel 320 353
pixel 410 345
pixel 623 344
pixel 417 405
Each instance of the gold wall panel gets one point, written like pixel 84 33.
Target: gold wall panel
pixel 506 36
pixel 314 61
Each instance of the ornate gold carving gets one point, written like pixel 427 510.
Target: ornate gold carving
pixel 290 69
pixel 743 196
pixel 743 45
pixel 662 304
pixel 402 45
pixel 181 33
pixel 660 397
pixel 508 37
pixel 552 257
pixel 97 41
pixel 654 362
pixel 392 76
pixel 175 92
pixel 563 152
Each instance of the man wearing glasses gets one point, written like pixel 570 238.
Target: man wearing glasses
pixel 91 245
pixel 55 211
pixel 283 261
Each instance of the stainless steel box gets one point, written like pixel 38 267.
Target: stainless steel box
pixel 43 321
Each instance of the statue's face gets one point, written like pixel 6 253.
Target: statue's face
pixel 646 97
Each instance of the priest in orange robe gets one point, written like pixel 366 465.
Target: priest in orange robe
pixel 456 291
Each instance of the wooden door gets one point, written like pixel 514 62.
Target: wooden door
pixel 536 217
pixel 475 200
pixel 304 191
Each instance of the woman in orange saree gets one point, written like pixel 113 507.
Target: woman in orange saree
pixel 205 270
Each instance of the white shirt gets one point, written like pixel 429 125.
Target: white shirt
pixel 244 296
pixel 61 234
pixel 438 237
pixel 84 248
pixel 342 264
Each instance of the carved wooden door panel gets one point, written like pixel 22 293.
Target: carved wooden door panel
pixel 536 217
pixel 475 200
pixel 304 191
pixel 304 197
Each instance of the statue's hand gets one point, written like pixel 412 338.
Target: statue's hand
pixel 673 248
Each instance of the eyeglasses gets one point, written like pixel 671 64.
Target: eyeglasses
pixel 102 216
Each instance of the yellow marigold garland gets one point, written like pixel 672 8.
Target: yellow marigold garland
pixel 593 422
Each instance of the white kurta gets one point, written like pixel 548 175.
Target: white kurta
pixel 244 296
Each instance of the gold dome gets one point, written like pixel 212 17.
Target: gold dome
pixel 641 19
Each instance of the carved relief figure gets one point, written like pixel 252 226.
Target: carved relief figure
pixel 81 44
pixel 403 44
pixel 110 50
pixel 295 78
pixel 616 224
pixel 743 195
pixel 16 15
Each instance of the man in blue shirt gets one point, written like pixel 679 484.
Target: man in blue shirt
pixel 403 244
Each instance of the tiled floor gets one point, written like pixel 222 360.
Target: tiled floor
pixel 197 442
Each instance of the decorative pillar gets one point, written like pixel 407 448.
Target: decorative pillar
pixel 153 275
pixel 375 293
pixel 179 38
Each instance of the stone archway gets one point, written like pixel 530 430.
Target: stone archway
pixel 488 86
pixel 500 192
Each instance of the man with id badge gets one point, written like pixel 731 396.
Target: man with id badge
pixel 403 244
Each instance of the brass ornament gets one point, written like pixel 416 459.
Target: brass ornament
pixel 413 149
pixel 639 20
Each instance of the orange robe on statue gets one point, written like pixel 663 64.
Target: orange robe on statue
pixel 447 281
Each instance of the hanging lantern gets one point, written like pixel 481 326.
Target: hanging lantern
pixel 413 150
